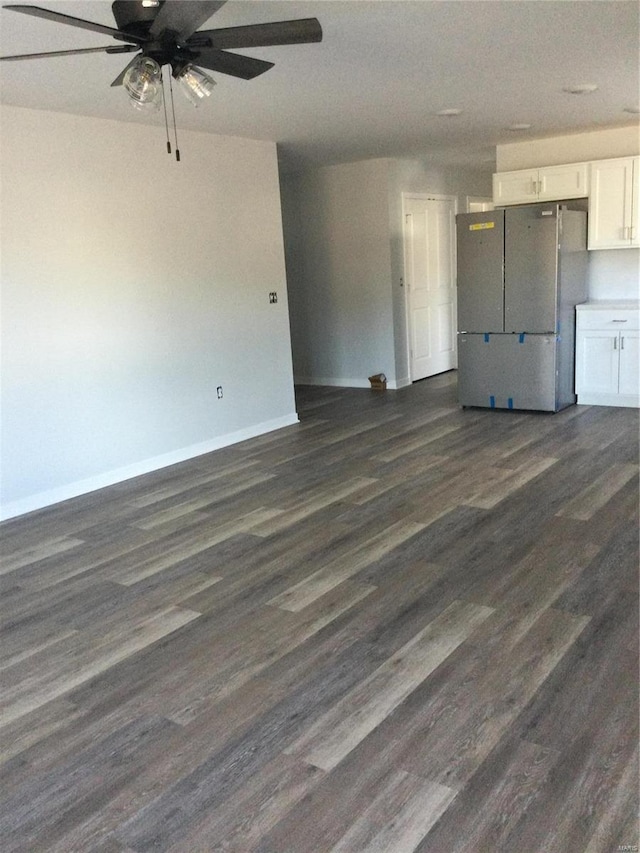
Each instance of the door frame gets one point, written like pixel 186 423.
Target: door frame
pixel 407 306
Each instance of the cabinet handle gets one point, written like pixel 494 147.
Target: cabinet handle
pixel 615 343
pixel 621 342
pixel 619 321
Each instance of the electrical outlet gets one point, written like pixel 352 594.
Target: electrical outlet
pixel 273 297
pixel 219 392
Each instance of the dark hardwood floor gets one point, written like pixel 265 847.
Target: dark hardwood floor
pixel 398 626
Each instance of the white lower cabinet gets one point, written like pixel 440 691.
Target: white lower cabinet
pixel 629 352
pixel 608 354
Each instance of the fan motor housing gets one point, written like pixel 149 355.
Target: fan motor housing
pixel 132 17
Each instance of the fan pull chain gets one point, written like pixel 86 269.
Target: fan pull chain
pixel 166 121
pixel 175 129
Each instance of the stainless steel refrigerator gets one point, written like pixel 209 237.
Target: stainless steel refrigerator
pixel 521 272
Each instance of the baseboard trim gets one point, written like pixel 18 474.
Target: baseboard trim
pixel 335 382
pixel 332 381
pixel 118 475
pixel 399 383
pixel 629 401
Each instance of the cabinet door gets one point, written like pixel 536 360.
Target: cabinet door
pixel 629 382
pixel 635 203
pixel 597 362
pixel 610 204
pixel 515 187
pixel 558 182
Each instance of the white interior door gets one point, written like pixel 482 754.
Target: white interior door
pixel 429 249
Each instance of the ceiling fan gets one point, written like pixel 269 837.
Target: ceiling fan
pixel 165 32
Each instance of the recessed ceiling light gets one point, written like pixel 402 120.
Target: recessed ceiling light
pixel 633 110
pixel 581 89
pixel 452 111
pixel 520 126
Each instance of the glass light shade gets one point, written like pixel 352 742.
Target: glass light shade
pixel 143 82
pixel 195 84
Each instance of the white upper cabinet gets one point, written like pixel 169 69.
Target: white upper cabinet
pixel 614 204
pixel 558 182
pixel 552 183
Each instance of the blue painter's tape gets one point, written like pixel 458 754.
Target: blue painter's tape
pixel 510 403
pixel 521 338
pixel 492 402
pixel 486 337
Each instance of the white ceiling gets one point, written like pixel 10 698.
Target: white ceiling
pixel 374 84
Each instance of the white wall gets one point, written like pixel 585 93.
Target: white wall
pixel 570 148
pixel 343 237
pixel 612 274
pixel 339 272
pixel 419 176
pixel 132 286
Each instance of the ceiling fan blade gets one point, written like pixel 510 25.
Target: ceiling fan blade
pixel 59 18
pixel 183 17
pixel 125 48
pixel 302 31
pixel 231 63
pixel 120 78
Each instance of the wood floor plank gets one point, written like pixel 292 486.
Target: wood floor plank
pixel 452 746
pixel 308 590
pixel 487 498
pixel 398 817
pixel 61 802
pixel 24 557
pixel 31 728
pixel 436 606
pixel 618 825
pixel 354 717
pixel 164 557
pixel 73 663
pixel 488 808
pixel 598 493
pixel 189 481
pixel 290 515
pixel 572 805
pixel 412 444
pixel 254 809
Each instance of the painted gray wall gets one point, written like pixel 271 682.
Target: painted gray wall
pixel 419 176
pixel 132 286
pixel 338 267
pixel 343 241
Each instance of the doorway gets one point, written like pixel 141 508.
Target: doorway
pixel 430 292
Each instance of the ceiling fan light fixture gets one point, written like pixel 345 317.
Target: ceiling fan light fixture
pixel 195 84
pixel 143 83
